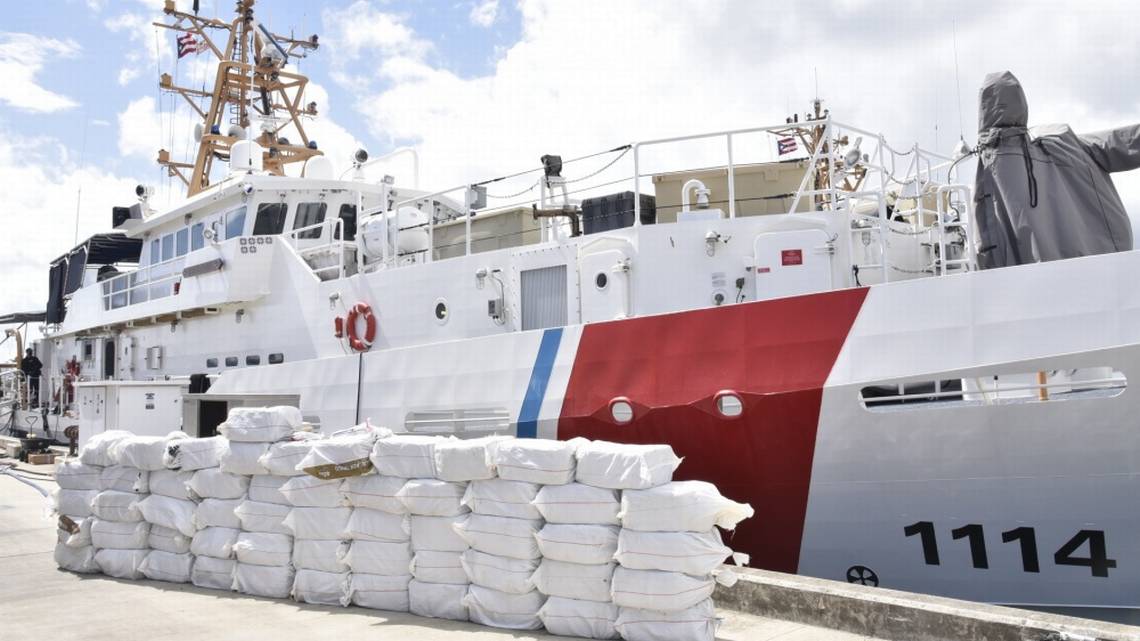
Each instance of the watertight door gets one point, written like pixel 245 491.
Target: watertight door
pixel 605 285
pixel 790 263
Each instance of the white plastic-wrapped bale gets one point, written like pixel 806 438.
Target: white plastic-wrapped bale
pixel 321 555
pixel 217 513
pixel 310 491
pixel 586 544
pixel 322 523
pixel 375 492
pixel 680 506
pixel 121 564
pixel 321 588
pixel 213 483
pixel 110 505
pixel 282 458
pixel 345 453
pixel 574 618
pixel 74 503
pixel 98 450
pixel 499 572
pixel 432 566
pixel 176 514
pixel 379 592
pixel 166 566
pixel 77 559
pixel 500 536
pixel 194 453
pixel 467 459
pixel 243 458
pixel 116 535
pixel 623 466
pixel 575 580
pixel 389 558
pixel 274 582
pixel 437 600
pixel 438 533
pixel 167 540
pixel 432 497
pixel 260 548
pixel 261 424
pixel 266 488
pixel 263 517
pixel 697 623
pixel 661 591
pixel 73 474
pixel 143 452
pixel 216 542
pixel 577 503
pixel 499 497
pixel 212 573
pixel 696 553
pixel 537 460
pixel 172 483
pixel 409 456
pixel 497 609
pixel 374 525
pixel 121 478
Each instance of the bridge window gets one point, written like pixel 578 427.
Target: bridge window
pixel 235 223
pixel 182 242
pixel 197 240
pixel 167 247
pixel 309 214
pixel 270 219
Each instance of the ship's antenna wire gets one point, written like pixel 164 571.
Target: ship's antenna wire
pixel 79 189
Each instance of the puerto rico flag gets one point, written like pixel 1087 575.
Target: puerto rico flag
pixel 188 44
pixel 786 145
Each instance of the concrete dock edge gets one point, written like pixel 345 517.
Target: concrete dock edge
pixel 891 614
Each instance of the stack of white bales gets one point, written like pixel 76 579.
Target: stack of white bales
pixel 379 548
pixel 581 535
pixel 433 508
pixel 502 530
pixel 79 481
pixel 320 516
pixel 119 533
pixel 668 550
pixel 171 505
pixel 264 547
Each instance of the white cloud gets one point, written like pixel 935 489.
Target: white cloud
pixel 149 48
pixel 41 186
pixel 483 14
pixel 590 75
pixel 22 57
pixel 361 31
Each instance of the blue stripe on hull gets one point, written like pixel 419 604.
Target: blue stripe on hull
pixel 539 378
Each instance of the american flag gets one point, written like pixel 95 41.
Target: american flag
pixel 188 44
pixel 786 145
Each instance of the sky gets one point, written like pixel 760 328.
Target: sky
pixel 485 87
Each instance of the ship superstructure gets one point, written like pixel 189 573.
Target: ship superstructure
pixel 794 307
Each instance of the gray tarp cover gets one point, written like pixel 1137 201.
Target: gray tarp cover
pixel 1045 194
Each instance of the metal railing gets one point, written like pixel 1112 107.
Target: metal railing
pixel 145 283
pixel 329 241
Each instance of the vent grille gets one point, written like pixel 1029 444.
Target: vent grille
pixel 543 293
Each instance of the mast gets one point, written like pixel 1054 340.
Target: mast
pixel 251 88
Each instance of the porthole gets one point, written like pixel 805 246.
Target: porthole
pixel 276 358
pixel 231 361
pixel 211 363
pixel 621 410
pixel 601 280
pixel 253 359
pixel 729 405
pixel 441 311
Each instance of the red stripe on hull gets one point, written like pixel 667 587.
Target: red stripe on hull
pixel 775 354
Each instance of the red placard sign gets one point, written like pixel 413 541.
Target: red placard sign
pixel 791 257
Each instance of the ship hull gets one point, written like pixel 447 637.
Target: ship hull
pixel 1027 499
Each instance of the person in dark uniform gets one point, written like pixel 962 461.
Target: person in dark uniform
pixel 32 367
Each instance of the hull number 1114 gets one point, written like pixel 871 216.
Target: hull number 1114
pixel 1026 537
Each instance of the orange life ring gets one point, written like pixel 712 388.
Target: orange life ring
pixel 355 341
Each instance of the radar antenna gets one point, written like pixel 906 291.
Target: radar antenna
pixel 251 83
